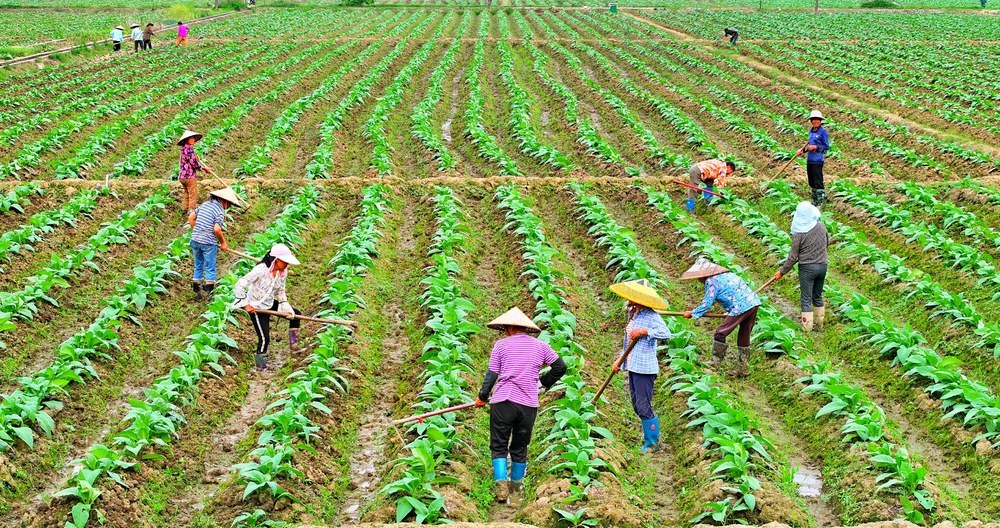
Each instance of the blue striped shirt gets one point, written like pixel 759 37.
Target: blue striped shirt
pixel 642 359
pixel 207 215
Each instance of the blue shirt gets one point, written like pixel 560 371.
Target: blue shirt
pixel 116 35
pixel 730 291
pixel 821 139
pixel 207 215
pixel 642 359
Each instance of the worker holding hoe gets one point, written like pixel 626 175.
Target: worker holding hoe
pixel 116 38
pixel 136 37
pixel 646 328
pixel 189 167
pixel 513 378
pixel 207 222
pixel 263 288
pixel 731 34
pixel 713 172
pixel 809 248
pixel 740 303
pixel 819 143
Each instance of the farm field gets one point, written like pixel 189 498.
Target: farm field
pixel 432 167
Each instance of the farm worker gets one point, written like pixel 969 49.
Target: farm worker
pixel 263 288
pixel 116 38
pixel 809 242
pixel 136 37
pixel 189 167
pixel 513 370
pixel 207 222
pixel 713 172
pixel 147 37
pixel 819 143
pixel 182 34
pixel 646 327
pixel 731 34
pixel 740 303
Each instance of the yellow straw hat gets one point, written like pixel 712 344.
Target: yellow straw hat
pixel 639 292
pixel 703 268
pixel 227 194
pixel 513 317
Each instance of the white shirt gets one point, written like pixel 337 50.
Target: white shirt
pixel 137 34
pixel 260 288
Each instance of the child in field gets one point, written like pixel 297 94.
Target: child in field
pixel 182 34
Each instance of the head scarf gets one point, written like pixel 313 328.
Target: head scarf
pixel 806 216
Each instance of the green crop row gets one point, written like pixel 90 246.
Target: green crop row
pixel 22 237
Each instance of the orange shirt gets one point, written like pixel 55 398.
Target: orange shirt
pixel 714 169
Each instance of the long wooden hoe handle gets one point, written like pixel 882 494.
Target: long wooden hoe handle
pixel 241 254
pixel 345 322
pixel 780 171
pixel 766 284
pixel 702 189
pixel 614 370
pixel 681 314
pixel 421 417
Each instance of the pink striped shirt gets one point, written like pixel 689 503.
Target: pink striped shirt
pixel 517 360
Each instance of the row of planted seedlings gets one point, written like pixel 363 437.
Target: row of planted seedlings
pixel 741 458
pixel 23 237
pixel 865 427
pixel 448 366
pixel 475 122
pixel 290 427
pixel 17 197
pixel 573 440
pixel 151 424
pixel 953 217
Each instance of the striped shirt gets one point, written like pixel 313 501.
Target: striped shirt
pixel 517 359
pixel 207 216
pixel 642 359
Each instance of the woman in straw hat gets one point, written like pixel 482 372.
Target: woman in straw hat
pixel 809 249
pixel 207 222
pixel 189 167
pixel 136 37
pixel 740 303
pixel 264 289
pixel 819 143
pixel 646 328
pixel 513 378
pixel 116 38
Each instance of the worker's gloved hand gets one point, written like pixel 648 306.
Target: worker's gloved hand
pixel 637 333
pixel 286 310
pixel 541 388
pixel 249 308
pixel 687 314
pixel 224 246
pixel 480 403
pixel 777 275
pixel 690 205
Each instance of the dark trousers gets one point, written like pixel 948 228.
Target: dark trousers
pixel 147 44
pixel 640 388
pixel 510 430
pixel 811 279
pixel 815 173
pixel 138 45
pixel 745 321
pixel 117 46
pixel 262 325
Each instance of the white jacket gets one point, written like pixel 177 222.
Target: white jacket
pixel 137 34
pixel 260 288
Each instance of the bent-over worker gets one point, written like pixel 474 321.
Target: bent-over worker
pixel 740 303
pixel 263 288
pixel 731 34
pixel 713 172
pixel 513 378
pixel 207 222
pixel 819 143
pixel 646 327
pixel 810 240
pixel 188 169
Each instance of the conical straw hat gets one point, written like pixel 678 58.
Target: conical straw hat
pixel 227 194
pixel 703 268
pixel 513 317
pixel 187 134
pixel 639 292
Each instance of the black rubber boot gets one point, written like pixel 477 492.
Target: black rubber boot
pixel 196 288
pixel 207 289
pixel 260 361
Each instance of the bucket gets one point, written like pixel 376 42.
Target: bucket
pixel 613 6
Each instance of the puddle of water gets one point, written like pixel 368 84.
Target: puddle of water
pixel 810 481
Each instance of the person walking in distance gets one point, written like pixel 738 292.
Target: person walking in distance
pixel 819 143
pixel 513 378
pixel 263 288
pixel 136 37
pixel 147 37
pixel 189 167
pixel 116 38
pixel 810 240
pixel 207 239
pixel 647 329
pixel 712 172
pixel 740 303
pixel 182 34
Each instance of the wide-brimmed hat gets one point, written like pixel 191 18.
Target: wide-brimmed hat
pixel 703 268
pixel 134 25
pixel 282 253
pixel 816 114
pixel 639 292
pixel 227 194
pixel 187 134
pixel 119 27
pixel 513 317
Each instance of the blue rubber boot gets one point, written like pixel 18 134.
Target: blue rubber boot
pixel 501 490
pixel 690 205
pixel 517 470
pixel 650 434
pixel 499 469
pixel 708 197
